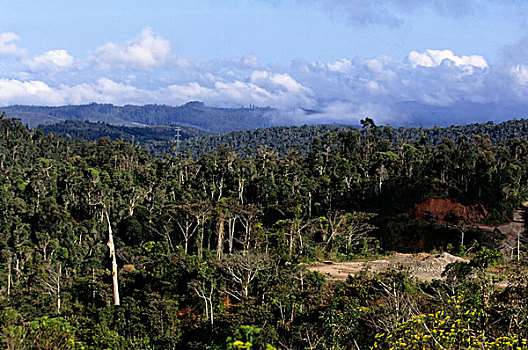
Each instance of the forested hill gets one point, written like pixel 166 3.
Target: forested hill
pixel 158 140
pixel 254 123
pixel 194 114
pixel 500 132
pixel 103 246
pixel 161 139
pixel 281 139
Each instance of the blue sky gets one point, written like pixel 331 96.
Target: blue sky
pixel 346 58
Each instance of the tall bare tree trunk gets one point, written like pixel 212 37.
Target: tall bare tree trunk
pixel 58 290
pixel 291 242
pixel 231 222
pixel 8 276
pixel 518 246
pixel 220 229
pixel 111 246
pixel 93 286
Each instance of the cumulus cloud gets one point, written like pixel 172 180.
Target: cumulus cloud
pixel 52 60
pixel 36 92
pixel 8 47
pixel 274 81
pixel 520 74
pixel 148 50
pixel 433 58
pixel 249 61
pixel 28 92
pixel 342 66
pixel 262 89
pixel 380 68
pixel 285 93
pixel 389 89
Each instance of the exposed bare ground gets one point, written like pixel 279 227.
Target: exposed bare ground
pixel 424 267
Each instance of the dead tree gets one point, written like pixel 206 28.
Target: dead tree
pixel 201 212
pixel 51 283
pixel 111 248
pixel 242 269
pixel 248 215
pixel 205 291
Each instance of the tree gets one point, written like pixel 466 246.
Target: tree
pixel 112 253
pixel 348 229
pixel 182 216
pixel 242 270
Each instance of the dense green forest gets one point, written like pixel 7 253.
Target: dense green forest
pixel 282 139
pixel 160 140
pixel 104 246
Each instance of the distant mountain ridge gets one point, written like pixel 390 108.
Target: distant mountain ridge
pixel 217 120
pixel 194 114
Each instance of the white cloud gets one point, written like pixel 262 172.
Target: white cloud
pixel 377 66
pixel 375 88
pixel 520 74
pixel 28 92
pixel 345 112
pixel 374 65
pixel 263 89
pixel 146 51
pixel 249 61
pixel 278 81
pixel 344 90
pixel 104 90
pixel 434 58
pixel 342 66
pixel 51 60
pixel 7 47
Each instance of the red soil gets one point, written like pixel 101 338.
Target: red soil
pixel 446 210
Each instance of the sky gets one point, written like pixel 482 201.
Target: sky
pixel 345 58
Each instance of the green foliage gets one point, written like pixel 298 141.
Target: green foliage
pixel 107 339
pixel 455 327
pixel 216 247
pixel 458 271
pixel 41 333
pixel 245 337
pixel 486 257
pixel 51 333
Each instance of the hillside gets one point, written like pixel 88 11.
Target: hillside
pixel 194 114
pixel 201 251
pixel 158 140
pixel 281 139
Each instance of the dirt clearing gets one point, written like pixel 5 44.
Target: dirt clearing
pixel 424 267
